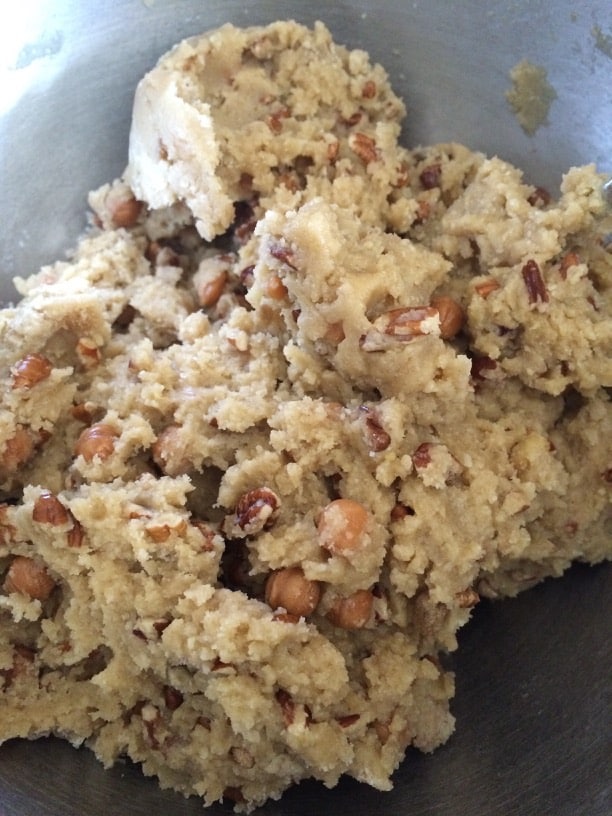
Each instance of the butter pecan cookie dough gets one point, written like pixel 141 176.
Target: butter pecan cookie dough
pixel 298 399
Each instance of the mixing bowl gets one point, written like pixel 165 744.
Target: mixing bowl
pixel 533 674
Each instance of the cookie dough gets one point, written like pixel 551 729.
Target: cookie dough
pixel 275 115
pixel 531 96
pixel 299 398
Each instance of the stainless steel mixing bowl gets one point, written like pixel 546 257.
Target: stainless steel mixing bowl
pixel 533 674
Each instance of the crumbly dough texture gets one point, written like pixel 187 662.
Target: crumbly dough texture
pixel 531 95
pixel 186 396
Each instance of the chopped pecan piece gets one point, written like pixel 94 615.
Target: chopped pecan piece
pixel 282 253
pixel 162 531
pixel 23 658
pixel 536 289
pixel 540 197
pixel 151 720
pixel 480 365
pixel 212 289
pixel 363 146
pixel 29 577
pixel 408 322
pixel 430 177
pixel 569 259
pixel 383 732
pixel 96 441
pixel 285 617
pixel 377 439
pixel 333 148
pixel 467 598
pixel 17 450
pixel 255 510
pixel 88 352
pixel 172 698
pixel 219 665
pixel 423 211
pixel 82 413
pixel 247 277
pixel 285 701
pixel 402 324
pixel 347 719
pixel 400 511
pixel 275 120
pixel 168 452
pixel 422 455
pixel 334 334
pixel 485 287
pixel 48 509
pixel 125 212
pixel 353 119
pixel 160 625
pixel 369 89
pixel 451 314
pixel 403 175
pixel 162 255
pixel 275 288
pixel 244 222
pixel 29 371
pixel 208 535
pixel 125 317
pixel 75 534
pixel 7 530
pixel 234 795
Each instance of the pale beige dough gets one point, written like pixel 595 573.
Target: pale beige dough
pixel 531 95
pixel 276 114
pixel 195 406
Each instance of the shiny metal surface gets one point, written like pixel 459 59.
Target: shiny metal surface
pixel 533 675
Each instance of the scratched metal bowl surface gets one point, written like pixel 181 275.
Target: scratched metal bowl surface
pixel 534 690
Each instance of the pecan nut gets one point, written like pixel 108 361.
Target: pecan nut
pixel 256 510
pixel 363 146
pixel 48 509
pixel 375 436
pixel 534 283
pixel 29 371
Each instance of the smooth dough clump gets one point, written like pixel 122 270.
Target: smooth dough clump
pixel 297 401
